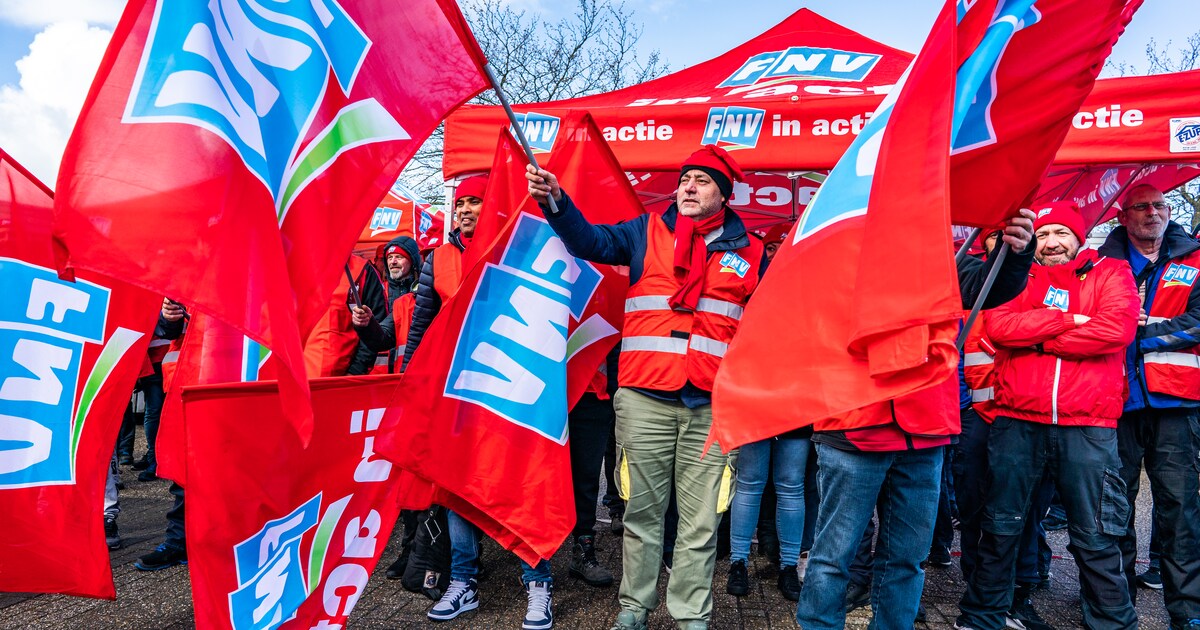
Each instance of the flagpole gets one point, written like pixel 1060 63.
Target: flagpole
pixel 983 294
pixel 512 118
pixel 966 246
pixel 353 287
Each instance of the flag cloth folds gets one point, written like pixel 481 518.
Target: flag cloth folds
pixel 288 539
pixel 485 398
pixel 69 356
pixel 863 297
pixel 228 154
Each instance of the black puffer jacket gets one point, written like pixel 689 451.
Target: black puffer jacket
pixel 374 296
pixel 429 304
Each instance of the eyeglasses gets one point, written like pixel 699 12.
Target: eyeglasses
pixel 1145 207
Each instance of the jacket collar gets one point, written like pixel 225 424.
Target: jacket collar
pixel 733 230
pixel 1176 243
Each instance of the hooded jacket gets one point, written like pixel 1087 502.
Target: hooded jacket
pixel 380 335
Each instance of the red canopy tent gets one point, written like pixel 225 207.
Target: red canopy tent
pixel 401 213
pixel 790 102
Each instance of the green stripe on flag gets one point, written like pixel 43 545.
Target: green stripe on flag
pixel 121 341
pixel 320 544
pixel 364 122
pixel 590 331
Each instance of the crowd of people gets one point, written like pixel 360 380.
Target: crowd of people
pixel 1084 366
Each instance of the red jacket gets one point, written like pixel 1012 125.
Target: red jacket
pixel 1048 369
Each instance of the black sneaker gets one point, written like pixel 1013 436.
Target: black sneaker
pixel 395 570
pixel 939 556
pixel 584 564
pixel 1151 579
pixel 1023 612
pixel 147 475
pixel 922 616
pixel 618 522
pixel 141 464
pixel 124 460
pixel 111 537
pixel 163 557
pixel 857 596
pixel 789 582
pixel 739 579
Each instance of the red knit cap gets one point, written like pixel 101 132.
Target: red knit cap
pixel 471 187
pixel 777 233
pixel 1061 213
pixel 718 163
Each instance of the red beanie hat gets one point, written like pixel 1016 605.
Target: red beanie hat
pixel 718 164
pixel 1061 213
pixel 777 233
pixel 471 187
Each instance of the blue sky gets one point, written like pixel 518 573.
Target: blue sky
pixel 40 97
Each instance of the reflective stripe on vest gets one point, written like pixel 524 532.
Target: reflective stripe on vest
pixel 972 359
pixel 1182 359
pixel 171 357
pixel 704 305
pixel 982 395
pixel 654 344
pixel 1175 373
pixel 708 346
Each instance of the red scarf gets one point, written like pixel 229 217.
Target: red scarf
pixel 690 255
pixel 466 240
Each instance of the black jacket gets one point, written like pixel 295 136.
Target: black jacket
pixel 380 335
pixel 429 304
pixel 374 296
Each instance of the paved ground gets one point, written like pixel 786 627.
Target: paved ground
pixel 163 599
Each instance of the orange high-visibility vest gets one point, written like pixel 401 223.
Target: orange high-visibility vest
pixel 663 348
pixel 1175 373
pixel 979 371
pixel 447 270
pixel 332 343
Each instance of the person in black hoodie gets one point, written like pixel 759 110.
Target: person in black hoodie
pixel 402 259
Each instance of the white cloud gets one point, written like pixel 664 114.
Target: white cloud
pixel 38 13
pixel 36 116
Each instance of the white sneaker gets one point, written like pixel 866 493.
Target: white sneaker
pixel 1013 623
pixel 802 565
pixel 459 597
pixel 539 615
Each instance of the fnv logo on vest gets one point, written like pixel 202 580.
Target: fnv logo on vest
pixel 803 62
pixel 1057 298
pixel 540 130
pixel 45 324
pixel 513 347
pixel 733 127
pixel 255 76
pixel 1178 275
pixel 732 263
pixel 1185 135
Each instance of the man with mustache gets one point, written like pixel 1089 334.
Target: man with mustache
pixel 1161 423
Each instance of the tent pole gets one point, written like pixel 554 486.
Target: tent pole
pixel 1071 185
pixel 512 118
pixel 983 293
pixel 962 251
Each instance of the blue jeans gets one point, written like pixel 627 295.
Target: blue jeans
pixel 152 387
pixel 1084 464
pixel 907 485
pixel 464 554
pixel 787 459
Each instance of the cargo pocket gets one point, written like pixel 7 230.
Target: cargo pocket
pixel 622 474
pixel 725 491
pixel 1114 505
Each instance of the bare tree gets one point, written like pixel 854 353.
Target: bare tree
pixel 591 51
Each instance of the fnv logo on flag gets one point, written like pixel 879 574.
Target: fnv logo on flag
pixel 733 127
pixel 540 130
pixel 254 76
pixel 1179 275
pixel 513 345
pixel 1057 298
pixel 803 62
pixel 270 573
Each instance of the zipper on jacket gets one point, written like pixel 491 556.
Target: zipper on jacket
pixel 1054 392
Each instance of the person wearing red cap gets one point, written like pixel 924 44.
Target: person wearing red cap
pixel 692 270
pixel 774 238
pixel 1059 389
pixel 1161 420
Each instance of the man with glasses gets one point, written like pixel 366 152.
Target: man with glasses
pixel 1161 420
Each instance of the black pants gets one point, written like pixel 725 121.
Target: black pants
pixel 176 534
pixel 590 423
pixel 1084 464
pixel 1167 440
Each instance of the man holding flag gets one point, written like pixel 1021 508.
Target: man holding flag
pixel 692 271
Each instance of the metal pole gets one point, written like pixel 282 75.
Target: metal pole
pixel 512 118
pixel 962 251
pixel 983 293
pixel 353 287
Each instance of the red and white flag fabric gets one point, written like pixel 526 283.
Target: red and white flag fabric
pixel 286 540
pixel 229 153
pixel 70 353
pixel 484 402
pixel 863 298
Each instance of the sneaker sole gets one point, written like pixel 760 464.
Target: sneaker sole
pixel 141 567
pixel 538 626
pixel 467 607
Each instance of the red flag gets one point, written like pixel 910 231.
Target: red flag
pixel 69 355
pixel 292 538
pixel 487 393
pixel 864 297
pixel 228 157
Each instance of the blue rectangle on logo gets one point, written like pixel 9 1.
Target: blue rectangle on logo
pixel 38 377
